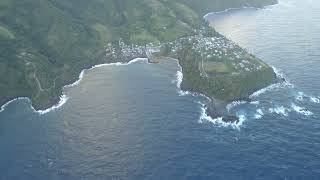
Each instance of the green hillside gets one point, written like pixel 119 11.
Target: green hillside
pixel 44 44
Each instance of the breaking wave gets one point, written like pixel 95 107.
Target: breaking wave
pixel 179 77
pixel 315 99
pixel 280 110
pixel 301 110
pixel 219 120
pixel 301 97
pixel 64 98
pixel 259 114
pixel 7 103
pixel 102 65
pixel 62 101
pixel 231 9
pixel 178 81
pixel 255 102
pixel 234 104
pixel 283 84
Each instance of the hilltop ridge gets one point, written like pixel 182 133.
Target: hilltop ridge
pixel 46 43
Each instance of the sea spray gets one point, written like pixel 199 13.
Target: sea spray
pixel 255 102
pixel 234 104
pixel 179 78
pixel 301 110
pixel 259 114
pixel 219 120
pixel 315 100
pixel 280 110
pixel 301 96
pixel 282 84
pixel 62 101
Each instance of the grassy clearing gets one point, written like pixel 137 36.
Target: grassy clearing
pixel 63 37
pixel 216 67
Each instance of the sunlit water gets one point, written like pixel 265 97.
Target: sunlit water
pixel 132 122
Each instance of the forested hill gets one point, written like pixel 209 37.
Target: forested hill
pixel 44 44
pixel 205 6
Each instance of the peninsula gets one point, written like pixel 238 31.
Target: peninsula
pixel 45 44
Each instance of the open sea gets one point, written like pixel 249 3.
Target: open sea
pixel 131 121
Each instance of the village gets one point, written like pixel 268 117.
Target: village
pixel 219 56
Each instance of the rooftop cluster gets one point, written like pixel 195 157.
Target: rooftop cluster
pixel 211 49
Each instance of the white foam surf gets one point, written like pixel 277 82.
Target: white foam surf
pixel 284 84
pixel 302 96
pixel 255 102
pixel 62 101
pixel 3 107
pixel 234 104
pixel 77 81
pixel 259 114
pixel 242 119
pixel 264 90
pixel 103 65
pixel 179 77
pixel 178 80
pixel 301 110
pixel 315 100
pixel 227 10
pixel 64 98
pixel 280 110
pixel 280 75
pixel 219 120
pixel 239 8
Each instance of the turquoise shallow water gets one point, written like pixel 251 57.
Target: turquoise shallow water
pixel 131 122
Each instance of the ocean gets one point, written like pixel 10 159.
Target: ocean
pixel 132 121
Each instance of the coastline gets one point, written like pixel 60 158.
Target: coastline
pixel 231 9
pixel 239 8
pixel 218 118
pixel 63 98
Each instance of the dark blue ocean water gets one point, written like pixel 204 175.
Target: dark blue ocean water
pixel 131 121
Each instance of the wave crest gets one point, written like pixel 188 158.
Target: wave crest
pixel 280 75
pixel 219 120
pixel 234 104
pixel 302 96
pixel 259 114
pixel 301 110
pixel 280 110
pixel 63 97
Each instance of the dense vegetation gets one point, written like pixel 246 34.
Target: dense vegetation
pixel 44 44
pixel 217 67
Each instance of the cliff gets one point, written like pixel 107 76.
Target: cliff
pixel 46 43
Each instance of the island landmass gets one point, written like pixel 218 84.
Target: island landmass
pixel 45 44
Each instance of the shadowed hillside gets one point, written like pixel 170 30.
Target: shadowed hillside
pixel 44 44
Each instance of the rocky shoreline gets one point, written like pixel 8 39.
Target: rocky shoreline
pixel 205 48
